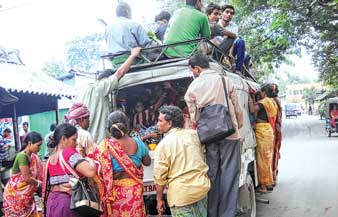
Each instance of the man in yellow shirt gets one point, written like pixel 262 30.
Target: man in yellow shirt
pixel 179 164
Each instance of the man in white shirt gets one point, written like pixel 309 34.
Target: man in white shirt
pixel 231 37
pixel 78 115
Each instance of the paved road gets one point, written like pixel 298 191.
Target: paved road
pixel 308 178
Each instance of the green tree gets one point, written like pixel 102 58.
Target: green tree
pixel 274 29
pixel 54 68
pixel 309 95
pixel 83 53
pixel 295 79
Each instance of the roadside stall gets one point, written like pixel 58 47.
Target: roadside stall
pixel 25 92
pixel 36 93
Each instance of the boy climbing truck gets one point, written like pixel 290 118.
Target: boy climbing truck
pixel 161 81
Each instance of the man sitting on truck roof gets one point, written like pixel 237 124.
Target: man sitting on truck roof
pixel 124 34
pixel 96 97
pixel 213 12
pixel 186 24
pixel 232 41
pixel 162 20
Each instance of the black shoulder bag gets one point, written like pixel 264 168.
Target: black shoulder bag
pixel 215 121
pixel 84 198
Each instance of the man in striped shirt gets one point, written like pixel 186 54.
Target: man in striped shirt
pixel 5 144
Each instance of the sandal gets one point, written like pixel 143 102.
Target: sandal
pixel 269 187
pixel 262 189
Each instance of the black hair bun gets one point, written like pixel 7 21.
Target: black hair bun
pixel 116 133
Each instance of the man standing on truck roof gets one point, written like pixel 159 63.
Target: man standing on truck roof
pixel 179 164
pixel 96 97
pixel 124 34
pixel 186 24
pixel 223 157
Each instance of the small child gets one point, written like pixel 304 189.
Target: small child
pixel 141 117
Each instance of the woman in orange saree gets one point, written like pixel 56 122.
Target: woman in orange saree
pixel 120 158
pixel 266 112
pixel 25 180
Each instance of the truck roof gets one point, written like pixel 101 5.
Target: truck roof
pixel 158 69
pixel 174 71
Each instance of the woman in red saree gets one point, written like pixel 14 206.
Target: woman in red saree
pixel 265 112
pixel 25 180
pixel 334 115
pixel 121 158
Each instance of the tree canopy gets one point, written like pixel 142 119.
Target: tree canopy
pixel 83 53
pixel 54 68
pixel 273 29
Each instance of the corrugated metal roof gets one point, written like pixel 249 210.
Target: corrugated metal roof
pixel 19 78
pixel 325 95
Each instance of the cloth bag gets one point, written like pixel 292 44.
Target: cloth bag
pixel 84 198
pixel 215 121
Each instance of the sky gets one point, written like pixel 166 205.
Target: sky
pixel 301 66
pixel 40 28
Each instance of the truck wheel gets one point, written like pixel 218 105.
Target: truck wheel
pixel 247 198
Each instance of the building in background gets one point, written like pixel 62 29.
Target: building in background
pixel 305 94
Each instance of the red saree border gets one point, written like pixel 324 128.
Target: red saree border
pixel 116 150
pixel 271 110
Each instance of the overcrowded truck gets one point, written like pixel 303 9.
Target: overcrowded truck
pixel 174 75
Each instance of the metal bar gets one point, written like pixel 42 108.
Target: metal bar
pixel 57 114
pixel 103 63
pixel 16 129
pixel 261 200
pixel 145 58
pixel 114 100
pixel 161 46
pixel 159 56
pixel 217 55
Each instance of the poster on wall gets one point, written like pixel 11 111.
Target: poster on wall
pixel 7 123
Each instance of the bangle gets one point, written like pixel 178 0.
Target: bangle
pixel 38 183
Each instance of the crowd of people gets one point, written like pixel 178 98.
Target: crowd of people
pixel 215 23
pixel 202 180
